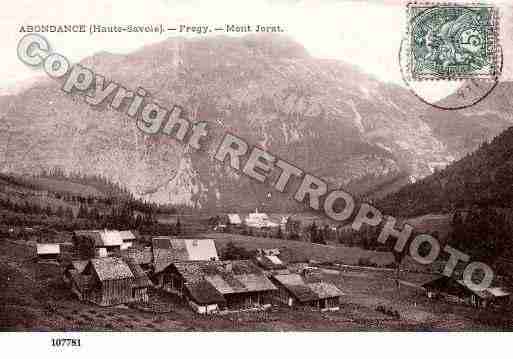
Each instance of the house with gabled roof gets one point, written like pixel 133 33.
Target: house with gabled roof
pixel 167 250
pixel 456 291
pixel 48 251
pixel 295 290
pixel 108 281
pixel 216 285
pixel 98 243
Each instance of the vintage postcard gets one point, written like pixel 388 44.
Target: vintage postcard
pixel 265 166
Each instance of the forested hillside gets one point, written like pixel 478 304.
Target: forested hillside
pixel 483 178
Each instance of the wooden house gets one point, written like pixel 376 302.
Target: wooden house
pixel 48 251
pixel 98 243
pixel 295 290
pixel 216 285
pixel 111 281
pixel 108 281
pixel 167 250
pixel 454 290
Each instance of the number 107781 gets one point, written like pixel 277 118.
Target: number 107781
pixel 65 342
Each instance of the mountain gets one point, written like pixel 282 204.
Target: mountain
pixel 464 130
pixel 483 178
pixel 325 116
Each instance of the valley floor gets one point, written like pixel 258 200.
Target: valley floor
pixel 34 298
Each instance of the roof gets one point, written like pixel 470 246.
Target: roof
pixel 111 238
pixel 46 248
pixel 127 236
pixel 458 288
pixel 498 292
pixel 111 268
pixel 140 256
pixel 304 291
pixel 447 285
pixel 141 279
pixel 226 277
pixel 203 292
pixel 325 290
pixel 200 249
pixel 167 250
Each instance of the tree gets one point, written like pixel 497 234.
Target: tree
pixel 233 252
pixel 68 214
pixel 279 234
pixel 178 226
pixel 60 212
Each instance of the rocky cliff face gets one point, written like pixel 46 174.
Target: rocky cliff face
pixel 322 115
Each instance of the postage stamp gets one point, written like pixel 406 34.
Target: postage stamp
pixel 453 41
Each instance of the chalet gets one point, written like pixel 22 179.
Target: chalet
pixel 456 291
pixel 48 252
pixel 215 285
pixel 108 281
pixel 295 290
pixel 98 243
pixel 128 238
pixel 167 250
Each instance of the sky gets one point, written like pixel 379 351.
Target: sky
pixel 364 33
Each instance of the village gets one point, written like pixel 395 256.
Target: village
pixel 224 274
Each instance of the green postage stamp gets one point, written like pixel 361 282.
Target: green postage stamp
pixel 453 41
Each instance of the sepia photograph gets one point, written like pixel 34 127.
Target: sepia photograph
pixel 267 166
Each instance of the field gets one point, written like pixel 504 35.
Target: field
pixel 302 251
pixel 34 298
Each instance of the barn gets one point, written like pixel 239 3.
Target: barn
pixel 48 252
pixel 108 281
pixel 215 285
pixel 454 290
pixel 167 250
pixel 111 281
pixel 295 290
pixel 97 243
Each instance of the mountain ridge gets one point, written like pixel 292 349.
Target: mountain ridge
pixel 322 115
